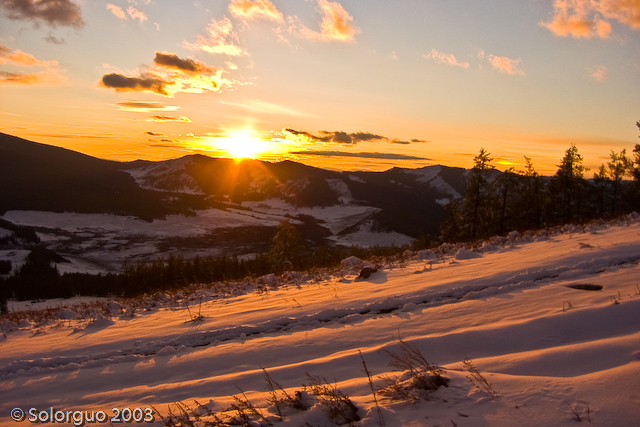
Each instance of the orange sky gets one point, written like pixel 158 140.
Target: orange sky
pixel 343 85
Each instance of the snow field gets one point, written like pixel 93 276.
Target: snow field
pixel 548 350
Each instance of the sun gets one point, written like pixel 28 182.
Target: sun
pixel 242 144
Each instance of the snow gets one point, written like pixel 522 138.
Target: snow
pixel 505 308
pixel 431 175
pixel 97 243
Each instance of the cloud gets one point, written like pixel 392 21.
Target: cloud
pixel 155 133
pixel 117 11
pixel 363 155
pixel 598 73
pixel 54 40
pixel 136 14
pixel 40 78
pixel 589 18
pixel 132 12
pixel 50 75
pixel 18 57
pixel 171 60
pixel 412 141
pixel 143 107
pixel 221 39
pixel 51 12
pixel 506 65
pixel 170 75
pixel 162 119
pixel 336 24
pixel 247 9
pixel 123 83
pixel 342 137
pixel 445 58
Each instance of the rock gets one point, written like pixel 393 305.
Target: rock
pixel 366 272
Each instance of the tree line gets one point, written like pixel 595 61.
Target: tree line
pixel 39 278
pixel 498 202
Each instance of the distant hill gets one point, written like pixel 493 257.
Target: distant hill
pixel 36 176
pixel 41 177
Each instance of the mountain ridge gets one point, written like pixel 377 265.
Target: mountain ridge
pixel 221 198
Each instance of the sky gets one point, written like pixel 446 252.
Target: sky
pixel 347 85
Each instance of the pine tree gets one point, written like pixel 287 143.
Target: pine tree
pixel 569 186
pixel 532 196
pixel 601 179
pixel 477 198
pixel 506 185
pixel 619 166
pixel 286 246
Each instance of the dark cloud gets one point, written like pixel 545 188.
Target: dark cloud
pixel 412 141
pixel 170 75
pixel 172 60
pixel 345 138
pixel 363 155
pixel 336 136
pixel 161 119
pixel 125 84
pixel 54 40
pixel 52 12
pixel 155 133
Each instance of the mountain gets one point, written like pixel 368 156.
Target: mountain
pixel 45 178
pixel 409 201
pixel 92 208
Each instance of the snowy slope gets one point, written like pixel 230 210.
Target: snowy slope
pixel 549 351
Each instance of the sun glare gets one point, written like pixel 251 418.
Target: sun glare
pixel 242 145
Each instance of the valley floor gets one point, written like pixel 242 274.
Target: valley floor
pixel 552 353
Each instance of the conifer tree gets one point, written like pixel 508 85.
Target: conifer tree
pixel 286 246
pixel 601 179
pixel 477 197
pixel 619 166
pixel 532 196
pixel 569 186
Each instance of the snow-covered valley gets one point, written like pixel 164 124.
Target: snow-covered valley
pixel 551 352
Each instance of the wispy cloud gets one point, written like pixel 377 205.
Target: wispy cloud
pixel 220 39
pixel 337 24
pixel 341 137
pixel 445 58
pixel 170 75
pixel 116 10
pixel 163 119
pixel 598 73
pixel 136 14
pixel 50 75
pixel 506 65
pixel 53 40
pixel 144 107
pixel 132 12
pixel 19 57
pixel 248 9
pixel 590 18
pixel 51 12
pixel 363 155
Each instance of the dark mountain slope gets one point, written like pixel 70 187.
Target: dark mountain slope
pixel 36 176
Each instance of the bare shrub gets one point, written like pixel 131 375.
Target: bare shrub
pixel 477 379
pixel 341 409
pixel 419 379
